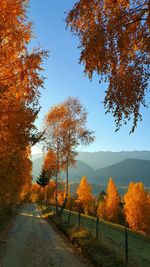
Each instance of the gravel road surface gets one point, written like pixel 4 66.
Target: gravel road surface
pixel 32 242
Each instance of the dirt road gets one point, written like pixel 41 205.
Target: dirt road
pixel 32 242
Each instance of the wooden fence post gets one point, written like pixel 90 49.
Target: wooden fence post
pixel 126 244
pixel 79 220
pixel 97 227
pixel 69 216
pixel 121 204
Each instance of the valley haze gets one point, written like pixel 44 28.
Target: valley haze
pixel 123 167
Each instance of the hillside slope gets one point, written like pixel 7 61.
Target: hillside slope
pixel 102 159
pixel 75 173
pixel 123 172
pixel 36 167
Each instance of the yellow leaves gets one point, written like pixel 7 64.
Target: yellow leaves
pixel 50 163
pixel 137 207
pixel 135 47
pixel 112 201
pixel 84 192
pixel 4 41
pixel 102 210
pixel 115 31
pixel 19 80
pixel 65 129
pixel 109 208
pixel 56 114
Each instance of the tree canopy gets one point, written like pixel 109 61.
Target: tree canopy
pixel 65 129
pixel 43 179
pixel 115 43
pixel 20 79
pixel 137 207
pixel 84 192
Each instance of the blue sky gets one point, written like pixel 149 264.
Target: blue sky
pixel 65 78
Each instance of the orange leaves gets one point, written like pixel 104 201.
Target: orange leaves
pixel 50 163
pixel 109 207
pixel 19 92
pixel 137 207
pixel 113 34
pixel 84 192
pixel 112 201
pixel 55 116
pixel 65 129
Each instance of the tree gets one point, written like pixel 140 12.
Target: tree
pixel 137 207
pixel 51 192
pixel 101 205
pixel 84 192
pixel 75 133
pixel 65 129
pixel 102 213
pixel 109 209
pixel 35 193
pixel 101 196
pixel 53 138
pixel 114 42
pixel 20 80
pixel 50 163
pixel 43 180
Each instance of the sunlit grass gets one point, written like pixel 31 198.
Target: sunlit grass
pixel 111 236
pixel 29 215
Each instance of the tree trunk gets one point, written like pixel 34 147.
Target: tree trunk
pixel 56 195
pixel 47 195
pixel 57 174
pixel 79 220
pixel 97 227
pixel 126 244
pixel 69 216
pixel 67 188
pixel 43 194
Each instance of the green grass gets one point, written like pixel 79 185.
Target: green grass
pixel 111 238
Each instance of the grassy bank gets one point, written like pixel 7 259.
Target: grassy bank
pixel 108 249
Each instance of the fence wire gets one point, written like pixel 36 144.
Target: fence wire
pixel 112 234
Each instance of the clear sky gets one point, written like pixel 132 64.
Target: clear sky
pixel 65 78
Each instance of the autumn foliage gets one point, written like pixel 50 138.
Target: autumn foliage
pixel 19 92
pixel 109 208
pixel 114 43
pixel 137 207
pixel 134 213
pixel 65 129
pixel 49 164
pixel 84 193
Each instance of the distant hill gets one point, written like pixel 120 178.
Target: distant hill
pixel 123 172
pixel 96 189
pixel 79 170
pixel 36 167
pixel 36 156
pixel 101 159
pixel 75 173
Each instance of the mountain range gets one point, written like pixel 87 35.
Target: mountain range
pixel 102 159
pixel 123 167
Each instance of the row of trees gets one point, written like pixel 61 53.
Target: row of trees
pixel 133 209
pixel 20 80
pixel 135 204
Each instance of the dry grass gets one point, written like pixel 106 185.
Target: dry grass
pixel 101 252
